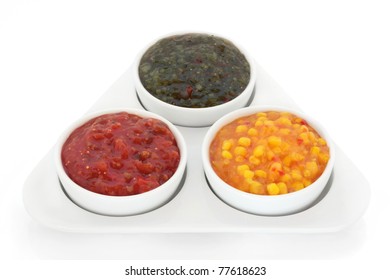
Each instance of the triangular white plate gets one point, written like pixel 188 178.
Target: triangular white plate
pixel 195 208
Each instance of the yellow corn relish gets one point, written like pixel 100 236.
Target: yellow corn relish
pixel 269 153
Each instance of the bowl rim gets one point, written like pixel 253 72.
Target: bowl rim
pixel 61 173
pixel 248 89
pixel 222 185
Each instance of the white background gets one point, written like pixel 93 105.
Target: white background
pixel 58 57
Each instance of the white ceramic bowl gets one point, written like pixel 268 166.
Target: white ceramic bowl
pixel 121 205
pixel 192 116
pixel 266 205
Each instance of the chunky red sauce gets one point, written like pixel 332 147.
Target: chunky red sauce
pixel 120 154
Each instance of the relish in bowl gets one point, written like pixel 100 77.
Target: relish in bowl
pixel 193 79
pixel 121 162
pixel 267 160
pixel 194 70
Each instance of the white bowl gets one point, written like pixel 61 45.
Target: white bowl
pixel 192 116
pixel 267 205
pixel 121 205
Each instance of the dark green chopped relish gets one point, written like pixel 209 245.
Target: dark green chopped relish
pixel 194 70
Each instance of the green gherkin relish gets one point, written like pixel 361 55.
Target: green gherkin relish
pixel 194 70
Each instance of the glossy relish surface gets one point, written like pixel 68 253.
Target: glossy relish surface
pixel 269 153
pixel 194 70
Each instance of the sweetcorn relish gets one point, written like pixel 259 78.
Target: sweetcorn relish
pixel 269 153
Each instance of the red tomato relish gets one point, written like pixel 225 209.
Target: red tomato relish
pixel 120 154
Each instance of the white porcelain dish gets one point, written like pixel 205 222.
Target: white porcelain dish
pixel 120 205
pixel 195 208
pixel 195 117
pixel 270 205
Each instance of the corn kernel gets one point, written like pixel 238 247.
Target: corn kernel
pixel 256 188
pixel 285 178
pixel 227 155
pixel 315 150
pixel 241 128
pixel 248 180
pixel 283 121
pixel 254 160
pixel 321 141
pixel 259 151
pixel 306 182
pixel 252 132
pixel 296 174
pixel 304 137
pixel 244 141
pixel 274 141
pixel 248 174
pixel 260 121
pixel 282 188
pixel 227 144
pixel 296 156
pixel 273 189
pixel 304 128
pixel 307 173
pixel 297 186
pixel 323 157
pixel 275 167
pixel 242 168
pixel 240 151
pixel 261 173
pixel 270 155
pixel 312 167
pixel 312 137
pixel 270 130
pixel 261 114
